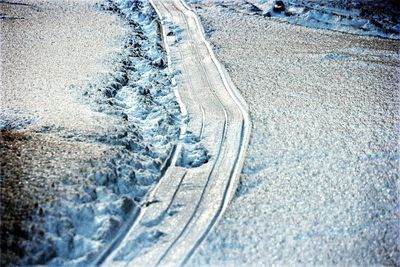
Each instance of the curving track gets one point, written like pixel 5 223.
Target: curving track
pixel 187 203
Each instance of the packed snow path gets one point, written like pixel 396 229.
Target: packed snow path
pixel 189 201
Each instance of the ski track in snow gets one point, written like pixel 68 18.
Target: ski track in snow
pixel 187 203
pixel 96 203
pixel 176 118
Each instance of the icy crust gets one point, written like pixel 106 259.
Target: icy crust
pixel 370 17
pixel 76 228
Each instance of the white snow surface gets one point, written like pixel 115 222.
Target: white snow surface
pixel 364 17
pixel 141 92
pixel 139 101
pixel 320 185
pixel 187 202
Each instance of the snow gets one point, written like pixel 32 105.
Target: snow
pixel 140 92
pixel 321 174
pixel 194 154
pixel 94 211
pixel 188 201
pixel 95 202
pixel 376 18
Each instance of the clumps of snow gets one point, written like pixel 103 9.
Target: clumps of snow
pixel 11 119
pixel 139 95
pixel 174 30
pixel 338 17
pixel 376 18
pixel 193 153
pixel 90 201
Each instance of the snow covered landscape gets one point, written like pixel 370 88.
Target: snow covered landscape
pixel 199 132
pixel 75 208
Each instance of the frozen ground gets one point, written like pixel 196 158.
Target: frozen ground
pixel 320 184
pixel 363 17
pixel 88 122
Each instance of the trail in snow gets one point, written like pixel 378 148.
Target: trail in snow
pixel 96 182
pixel 188 202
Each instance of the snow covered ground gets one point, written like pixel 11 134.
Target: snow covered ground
pixel 363 17
pixel 321 179
pixel 88 123
pixel 198 186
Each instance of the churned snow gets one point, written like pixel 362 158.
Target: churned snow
pixel 84 156
pixel 377 18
